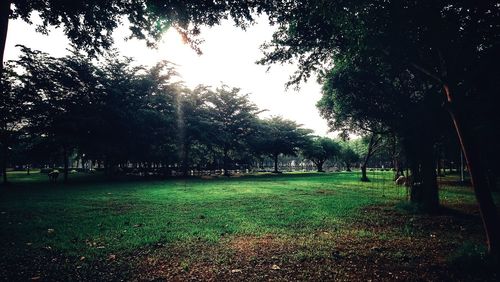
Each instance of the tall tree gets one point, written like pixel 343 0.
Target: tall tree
pixel 13 113
pixel 444 42
pixel 233 117
pixel 194 123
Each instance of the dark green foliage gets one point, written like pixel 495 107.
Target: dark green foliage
pixel 233 118
pixel 321 149
pixel 280 136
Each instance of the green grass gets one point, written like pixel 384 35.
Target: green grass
pixel 92 217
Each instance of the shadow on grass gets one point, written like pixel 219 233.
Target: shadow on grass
pixel 472 260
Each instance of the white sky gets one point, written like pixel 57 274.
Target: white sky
pixel 229 56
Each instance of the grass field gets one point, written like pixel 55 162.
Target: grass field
pixel 263 227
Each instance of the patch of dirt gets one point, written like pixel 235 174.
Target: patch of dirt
pixel 326 192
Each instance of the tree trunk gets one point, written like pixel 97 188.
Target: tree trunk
pixel 319 166
pixel 225 164
pixel 4 27
pixel 369 153
pixel 430 193
pixel 275 157
pixel 364 177
pixel 487 208
pixel 66 165
pixel 423 185
pixel 4 163
pixel 185 166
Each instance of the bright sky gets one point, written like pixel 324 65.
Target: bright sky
pixel 229 56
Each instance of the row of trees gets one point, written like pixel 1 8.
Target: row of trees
pixel 118 116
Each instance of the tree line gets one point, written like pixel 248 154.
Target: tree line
pixel 119 116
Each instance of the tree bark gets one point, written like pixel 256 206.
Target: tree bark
pixel 66 164
pixel 4 27
pixel 487 208
pixel 319 166
pixel 347 167
pixel 4 164
pixel 364 177
pixel 185 157
pixel 369 153
pixel 423 185
pixel 275 157
pixel 225 164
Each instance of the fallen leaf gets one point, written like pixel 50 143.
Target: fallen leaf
pixel 236 271
pixel 112 257
pixel 35 278
pixel 275 267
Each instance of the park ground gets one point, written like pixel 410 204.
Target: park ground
pixel 283 227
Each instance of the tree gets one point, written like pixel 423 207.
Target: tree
pixel 321 149
pixel 348 156
pixel 282 136
pixel 194 122
pixel 13 113
pixel 58 88
pixel 233 117
pixel 89 24
pixel 374 141
pixel 443 42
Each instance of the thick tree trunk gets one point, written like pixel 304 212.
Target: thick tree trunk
pixel 487 208
pixel 275 157
pixel 423 185
pixel 430 193
pixel 364 177
pixel 4 27
pixel 319 166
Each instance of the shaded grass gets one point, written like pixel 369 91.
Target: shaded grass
pixel 89 216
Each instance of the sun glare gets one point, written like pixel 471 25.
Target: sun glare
pixel 174 48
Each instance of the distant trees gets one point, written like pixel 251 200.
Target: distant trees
pixel 282 137
pixel 123 117
pixel 321 149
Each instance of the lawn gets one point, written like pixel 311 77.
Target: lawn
pixel 261 227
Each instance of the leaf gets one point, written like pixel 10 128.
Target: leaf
pixel 236 270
